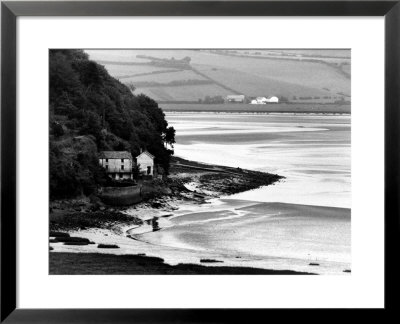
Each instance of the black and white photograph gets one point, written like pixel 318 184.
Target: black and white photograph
pixel 229 161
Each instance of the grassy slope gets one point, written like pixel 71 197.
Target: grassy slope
pixel 254 85
pixel 183 93
pixel 166 77
pixel 118 71
pixel 248 75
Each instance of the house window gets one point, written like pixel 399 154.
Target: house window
pixel 122 160
pixel 122 167
pixel 106 167
pixel 121 175
pixel 106 160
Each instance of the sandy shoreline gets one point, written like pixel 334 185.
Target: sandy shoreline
pixel 139 240
pixel 164 228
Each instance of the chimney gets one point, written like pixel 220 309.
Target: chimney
pixel 141 150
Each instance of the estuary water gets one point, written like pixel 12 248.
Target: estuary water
pixel 313 152
pixel 303 220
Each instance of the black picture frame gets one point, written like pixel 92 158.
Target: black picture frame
pixel 10 11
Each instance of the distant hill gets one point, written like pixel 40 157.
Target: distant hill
pixel 320 76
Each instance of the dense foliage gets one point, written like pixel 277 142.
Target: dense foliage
pixel 90 111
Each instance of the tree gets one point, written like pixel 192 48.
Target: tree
pixel 169 136
pixel 57 129
pixel 131 86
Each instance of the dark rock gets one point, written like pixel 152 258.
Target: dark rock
pixel 94 199
pixel 76 243
pixel 73 239
pixel 314 264
pixel 108 246
pixel 58 234
pixel 156 205
pixel 210 261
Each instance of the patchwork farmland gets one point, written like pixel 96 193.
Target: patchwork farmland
pixel 295 76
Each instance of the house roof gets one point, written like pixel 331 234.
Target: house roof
pixel 147 153
pixel 115 155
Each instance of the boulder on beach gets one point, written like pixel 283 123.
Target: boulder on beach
pixel 73 239
pixel 76 243
pixel 210 261
pixel 108 246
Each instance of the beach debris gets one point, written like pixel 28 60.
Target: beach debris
pixel 210 261
pixel 346 270
pixel 167 215
pixel 314 264
pixel 154 224
pixel 108 246
pixel 156 204
pixel 58 234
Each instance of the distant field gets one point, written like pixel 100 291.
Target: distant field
pixel 255 85
pixel 287 108
pixel 182 93
pixel 336 58
pixel 166 77
pixel 118 71
pixel 319 75
pixel 305 74
pixel 332 53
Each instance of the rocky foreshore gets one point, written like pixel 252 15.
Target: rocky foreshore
pixel 218 180
pixel 188 182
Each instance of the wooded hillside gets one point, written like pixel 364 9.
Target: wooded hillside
pixel 90 111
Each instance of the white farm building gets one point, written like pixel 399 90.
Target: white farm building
pixel 265 100
pixel 145 161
